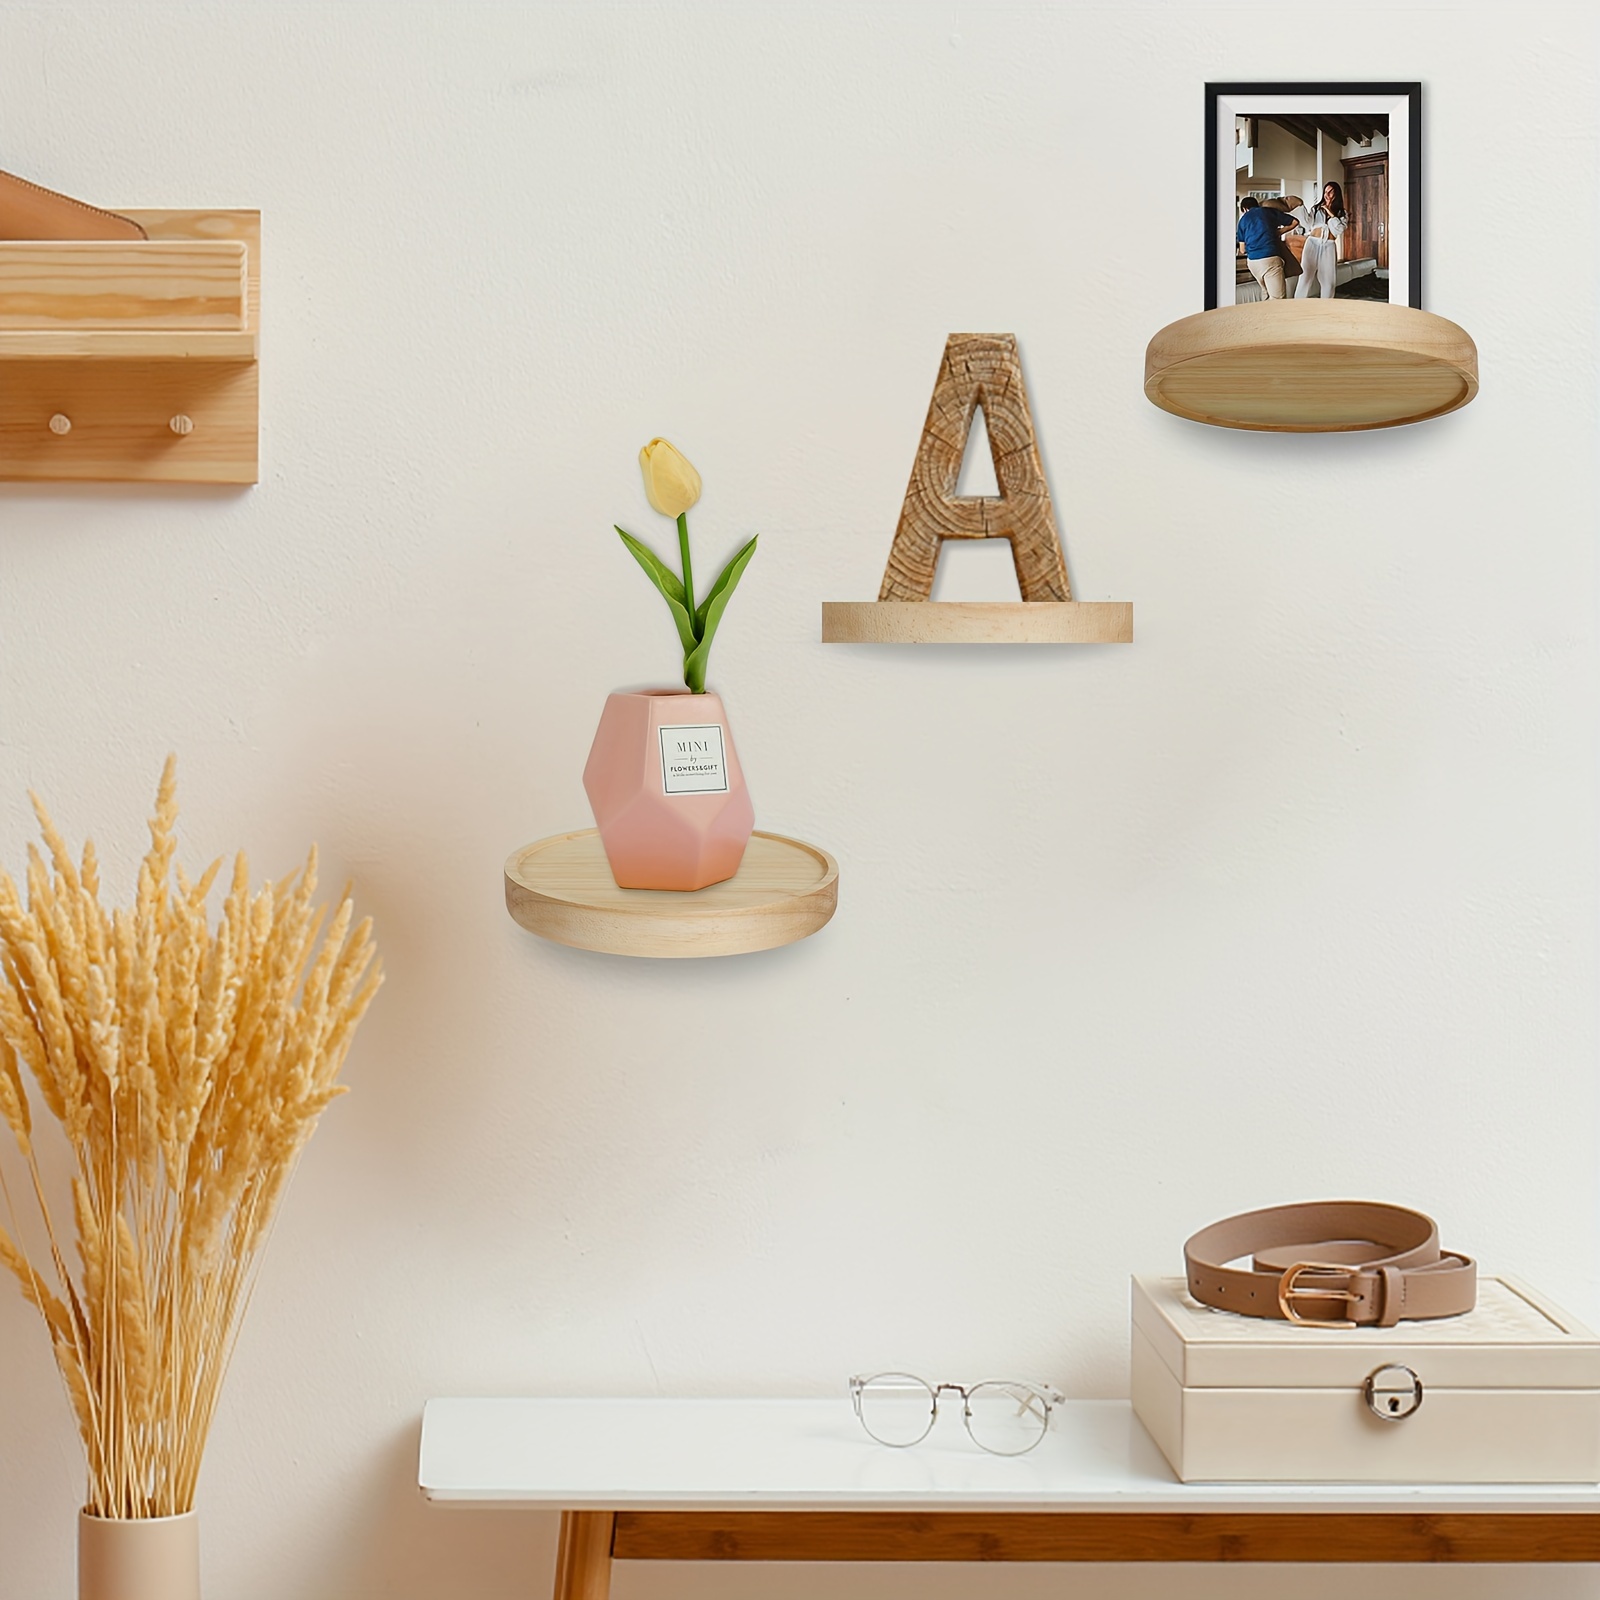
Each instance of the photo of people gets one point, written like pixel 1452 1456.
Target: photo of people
pixel 1311 199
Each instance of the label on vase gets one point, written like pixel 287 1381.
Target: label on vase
pixel 691 759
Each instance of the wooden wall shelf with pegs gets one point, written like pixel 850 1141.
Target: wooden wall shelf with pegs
pixel 980 371
pixel 133 361
pixel 561 888
pixel 1311 366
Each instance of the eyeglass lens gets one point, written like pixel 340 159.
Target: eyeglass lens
pixel 1006 1418
pixel 896 1408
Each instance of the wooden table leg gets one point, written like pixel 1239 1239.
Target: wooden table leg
pixel 583 1557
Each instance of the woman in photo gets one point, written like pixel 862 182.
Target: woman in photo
pixel 1324 224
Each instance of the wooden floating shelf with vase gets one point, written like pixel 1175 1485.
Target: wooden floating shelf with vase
pixel 1311 366
pixel 133 360
pixel 561 888
pixel 980 371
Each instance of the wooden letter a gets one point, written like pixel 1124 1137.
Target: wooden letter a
pixel 979 369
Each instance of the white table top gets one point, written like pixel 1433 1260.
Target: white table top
pixel 811 1455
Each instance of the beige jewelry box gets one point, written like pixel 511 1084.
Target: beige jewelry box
pixel 1508 1393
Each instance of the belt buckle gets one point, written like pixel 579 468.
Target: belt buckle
pixel 1289 1291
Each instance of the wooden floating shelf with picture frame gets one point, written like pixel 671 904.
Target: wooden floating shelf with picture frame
pixel 137 360
pixel 1336 168
pixel 1311 366
pixel 561 888
pixel 980 371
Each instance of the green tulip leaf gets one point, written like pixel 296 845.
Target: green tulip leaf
pixel 660 574
pixel 668 582
pixel 709 614
pixel 724 586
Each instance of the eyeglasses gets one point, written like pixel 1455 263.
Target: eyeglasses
pixel 1004 1417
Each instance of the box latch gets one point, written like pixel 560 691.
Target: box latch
pixel 1392 1392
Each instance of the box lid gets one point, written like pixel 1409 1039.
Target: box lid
pixel 1512 1339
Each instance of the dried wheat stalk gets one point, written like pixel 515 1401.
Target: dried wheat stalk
pixel 186 1066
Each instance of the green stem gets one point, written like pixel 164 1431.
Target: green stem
pixel 688 590
pixel 688 571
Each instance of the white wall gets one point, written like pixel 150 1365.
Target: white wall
pixel 1293 898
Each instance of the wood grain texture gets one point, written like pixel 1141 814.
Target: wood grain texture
pixel 95 284
pixel 120 386
pixel 1311 366
pixel 123 344
pixel 583 1556
pixel 978 369
pixel 561 888
pixel 1106 1536
pixel 120 414
pixel 243 225
pixel 232 230
pixel 977 622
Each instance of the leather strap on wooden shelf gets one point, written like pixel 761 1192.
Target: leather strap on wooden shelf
pixel 1330 1263
pixel 30 212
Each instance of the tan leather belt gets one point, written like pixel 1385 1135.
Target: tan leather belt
pixel 1331 1264
pixel 30 212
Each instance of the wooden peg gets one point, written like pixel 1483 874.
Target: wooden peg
pixel 60 424
pixel 181 424
pixel 979 369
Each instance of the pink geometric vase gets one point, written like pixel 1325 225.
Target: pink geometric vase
pixel 668 795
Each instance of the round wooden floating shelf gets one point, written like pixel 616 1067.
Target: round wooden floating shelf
pixel 977 622
pixel 1311 366
pixel 561 888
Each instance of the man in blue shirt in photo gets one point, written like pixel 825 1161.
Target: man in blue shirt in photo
pixel 1258 232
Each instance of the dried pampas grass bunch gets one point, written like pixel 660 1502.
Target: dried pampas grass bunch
pixel 185 1066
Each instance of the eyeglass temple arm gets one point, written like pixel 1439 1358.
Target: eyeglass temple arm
pixel 1039 1391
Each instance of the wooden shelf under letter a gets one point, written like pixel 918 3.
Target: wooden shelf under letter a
pixel 977 622
pixel 979 370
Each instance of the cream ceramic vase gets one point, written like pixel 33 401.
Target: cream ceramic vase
pixel 668 795
pixel 139 1558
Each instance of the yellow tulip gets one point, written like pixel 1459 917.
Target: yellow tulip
pixel 670 483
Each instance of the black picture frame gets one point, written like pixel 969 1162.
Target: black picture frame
pixel 1401 102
